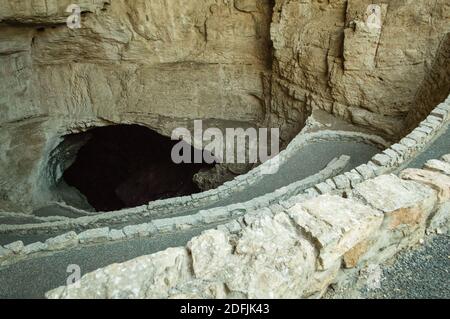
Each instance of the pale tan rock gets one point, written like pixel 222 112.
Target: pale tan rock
pixel 387 125
pixel 406 205
pixel 434 88
pixel 200 289
pixel 438 166
pixel 360 47
pixel 403 202
pixel 446 158
pixel 440 221
pixel 210 252
pixel 144 277
pixel 439 182
pixel 272 260
pixel 335 224
pixel 62 242
pixel 15 247
pixel 5 253
pixel 321 280
pixel 353 256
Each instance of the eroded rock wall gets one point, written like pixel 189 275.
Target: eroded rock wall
pixel 160 64
pixel 435 86
pixel 326 57
pixel 164 63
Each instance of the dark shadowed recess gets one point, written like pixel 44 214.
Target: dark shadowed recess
pixel 126 166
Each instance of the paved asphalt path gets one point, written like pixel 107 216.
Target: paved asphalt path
pixel 421 273
pixel 440 147
pixel 32 278
pixel 308 161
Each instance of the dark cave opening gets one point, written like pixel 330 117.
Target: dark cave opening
pixel 125 166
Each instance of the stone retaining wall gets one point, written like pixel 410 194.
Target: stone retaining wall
pixel 393 157
pixel 296 252
pixel 162 208
pixel 159 226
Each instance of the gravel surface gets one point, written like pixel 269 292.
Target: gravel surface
pixel 423 273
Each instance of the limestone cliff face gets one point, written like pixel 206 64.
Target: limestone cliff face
pixel 164 63
pixel 434 88
pixel 326 57
pixel 161 64
pixel 135 60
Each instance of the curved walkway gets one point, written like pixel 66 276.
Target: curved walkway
pixel 32 278
pixel 35 277
pixel 421 273
pixel 308 161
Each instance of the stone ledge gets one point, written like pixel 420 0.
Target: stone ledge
pixel 35 248
pixel 388 193
pixel 162 207
pixel 94 236
pixel 342 182
pixel 407 207
pixel 439 182
pixel 446 158
pixel 5 254
pixel 15 247
pixel 335 234
pixel 65 241
pixel 292 254
pixel 438 166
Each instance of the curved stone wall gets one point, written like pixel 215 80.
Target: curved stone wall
pixel 161 208
pixel 294 253
pixel 389 160
pixel 214 61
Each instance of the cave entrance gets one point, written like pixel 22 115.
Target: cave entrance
pixel 125 166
